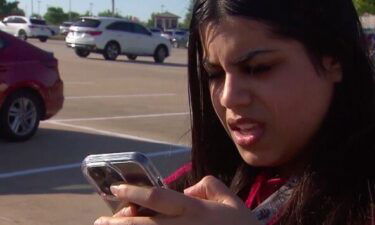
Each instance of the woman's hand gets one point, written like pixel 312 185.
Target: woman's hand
pixel 207 202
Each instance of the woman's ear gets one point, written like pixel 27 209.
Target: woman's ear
pixel 332 69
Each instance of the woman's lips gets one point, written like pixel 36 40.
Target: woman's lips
pixel 246 132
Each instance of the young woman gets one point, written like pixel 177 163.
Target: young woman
pixel 282 100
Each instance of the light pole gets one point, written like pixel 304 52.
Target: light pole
pixel 113 7
pixel 32 7
pixel 70 10
pixel 39 7
pixel 91 7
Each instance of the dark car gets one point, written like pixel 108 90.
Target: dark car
pixel 178 38
pixel 30 88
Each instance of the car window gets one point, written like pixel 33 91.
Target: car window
pixel 38 22
pixel 127 27
pixel 114 26
pixel 17 20
pixel 9 20
pixel 140 29
pixel 121 26
pixel 87 23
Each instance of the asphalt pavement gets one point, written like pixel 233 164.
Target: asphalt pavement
pixel 110 106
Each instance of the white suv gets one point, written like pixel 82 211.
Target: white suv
pixel 113 37
pixel 24 27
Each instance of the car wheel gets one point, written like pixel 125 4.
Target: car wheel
pixel 111 51
pixel 20 116
pixel 22 35
pixel 43 39
pixel 160 54
pixel 82 52
pixel 131 57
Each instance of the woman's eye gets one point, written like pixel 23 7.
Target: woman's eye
pixel 214 75
pixel 255 70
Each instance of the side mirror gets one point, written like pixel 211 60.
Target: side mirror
pixel 4 21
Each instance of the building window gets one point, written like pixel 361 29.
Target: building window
pixel 174 23
pixel 159 23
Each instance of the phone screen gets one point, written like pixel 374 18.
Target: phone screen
pixel 134 174
pixel 106 176
pixel 118 173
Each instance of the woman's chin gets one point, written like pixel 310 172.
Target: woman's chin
pixel 258 158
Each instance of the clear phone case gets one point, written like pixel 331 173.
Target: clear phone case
pixel 134 168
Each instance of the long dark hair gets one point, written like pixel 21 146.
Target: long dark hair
pixel 337 186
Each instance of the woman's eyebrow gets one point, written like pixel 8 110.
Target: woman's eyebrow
pixel 240 60
pixel 251 55
pixel 209 66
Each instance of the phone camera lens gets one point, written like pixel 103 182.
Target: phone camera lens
pixel 115 177
pixel 106 188
pixel 97 173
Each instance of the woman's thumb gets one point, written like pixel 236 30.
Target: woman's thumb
pixel 210 188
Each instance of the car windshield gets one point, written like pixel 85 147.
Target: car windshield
pixel 38 22
pixel 87 23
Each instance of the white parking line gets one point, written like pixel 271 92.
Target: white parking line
pixel 120 117
pixel 108 133
pixel 78 83
pixel 77 165
pixel 119 96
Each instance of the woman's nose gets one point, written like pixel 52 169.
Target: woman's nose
pixel 235 92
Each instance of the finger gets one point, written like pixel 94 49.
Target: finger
pixel 164 201
pixel 125 221
pixel 160 220
pixel 210 188
pixel 129 211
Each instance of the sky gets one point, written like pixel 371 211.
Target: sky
pixel 138 8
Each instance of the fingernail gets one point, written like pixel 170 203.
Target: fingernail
pixel 187 190
pixel 98 222
pixel 127 212
pixel 114 190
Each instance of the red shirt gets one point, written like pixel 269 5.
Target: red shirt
pixel 264 185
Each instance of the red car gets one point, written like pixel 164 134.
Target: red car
pixel 30 88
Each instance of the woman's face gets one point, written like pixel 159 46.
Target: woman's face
pixel 265 90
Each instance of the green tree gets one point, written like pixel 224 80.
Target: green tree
pixel 108 13
pixel 365 6
pixel 72 16
pixel 10 8
pixel 151 21
pixel 55 15
pixel 87 13
pixel 186 23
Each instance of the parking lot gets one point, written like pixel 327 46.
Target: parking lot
pixel 110 106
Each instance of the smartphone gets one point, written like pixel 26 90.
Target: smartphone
pixel 104 170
